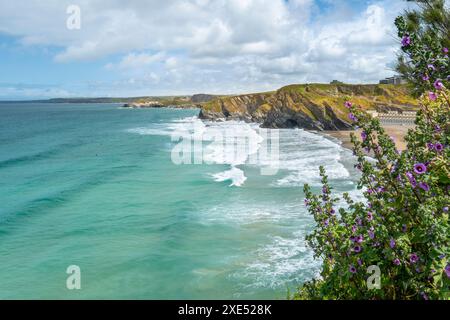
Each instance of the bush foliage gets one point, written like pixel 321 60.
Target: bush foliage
pixel 425 36
pixel 402 225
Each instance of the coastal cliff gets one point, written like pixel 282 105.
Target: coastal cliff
pixel 308 106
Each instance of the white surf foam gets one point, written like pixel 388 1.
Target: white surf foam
pixel 245 212
pixel 183 126
pixel 149 131
pixel 229 142
pixel 284 260
pixel 300 152
pixel 240 140
pixel 235 175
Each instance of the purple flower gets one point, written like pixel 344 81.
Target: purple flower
pixel 354 228
pixel 348 104
pixel 438 147
pixel 420 168
pixel 406 41
pixel 359 239
pixel 424 186
pixel 359 262
pixel 447 270
pixel 432 96
pixel 371 234
pixel 438 85
pixel 363 135
pixel 393 168
pixel 431 67
pixel 404 228
pixel 413 258
pixel 444 50
pixel 397 261
pixel 430 146
pixel 425 77
pixel 445 209
pixel 326 222
pixel 332 212
pixel 411 179
pixel 392 243
pixel 424 296
pixel 357 249
pixel 352 269
pixel 369 216
pixel 352 117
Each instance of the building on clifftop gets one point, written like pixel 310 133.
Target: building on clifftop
pixel 393 80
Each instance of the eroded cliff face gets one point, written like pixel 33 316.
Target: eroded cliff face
pixel 251 107
pixel 314 106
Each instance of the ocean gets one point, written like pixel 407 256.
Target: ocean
pixel 96 186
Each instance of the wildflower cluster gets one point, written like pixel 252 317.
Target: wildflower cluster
pixel 427 61
pixel 401 227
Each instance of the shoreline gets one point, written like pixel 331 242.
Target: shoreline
pixel 398 132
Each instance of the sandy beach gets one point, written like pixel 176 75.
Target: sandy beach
pixel 398 132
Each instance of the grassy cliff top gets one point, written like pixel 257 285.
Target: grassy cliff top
pixel 389 93
pixel 367 96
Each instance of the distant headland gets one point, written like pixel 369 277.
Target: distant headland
pixel 308 106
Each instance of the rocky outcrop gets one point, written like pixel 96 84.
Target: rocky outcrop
pixel 146 104
pixel 313 106
pixel 171 102
pixel 251 108
pixel 201 98
pixel 160 104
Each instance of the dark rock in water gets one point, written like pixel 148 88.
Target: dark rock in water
pixel 154 104
pixel 146 104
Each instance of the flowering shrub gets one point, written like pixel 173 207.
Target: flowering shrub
pixel 402 225
pixel 424 61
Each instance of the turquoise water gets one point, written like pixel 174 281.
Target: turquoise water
pixel 94 186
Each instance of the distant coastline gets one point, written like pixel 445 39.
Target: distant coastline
pixel 163 100
pixel 85 100
pixel 307 106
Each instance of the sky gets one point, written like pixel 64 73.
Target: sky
pixel 183 47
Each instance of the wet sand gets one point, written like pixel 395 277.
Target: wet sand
pixel 398 132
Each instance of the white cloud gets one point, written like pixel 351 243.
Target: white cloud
pixel 215 45
pixel 139 60
pixel 171 63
